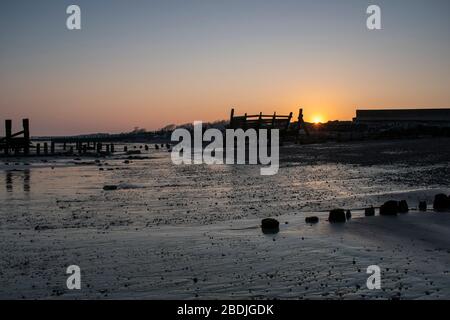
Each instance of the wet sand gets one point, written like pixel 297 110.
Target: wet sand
pixel 193 231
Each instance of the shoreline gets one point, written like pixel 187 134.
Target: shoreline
pixel 192 232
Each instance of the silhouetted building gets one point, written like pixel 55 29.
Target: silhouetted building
pixel 405 118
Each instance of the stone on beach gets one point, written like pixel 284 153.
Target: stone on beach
pixel 110 187
pixel 423 206
pixel 389 208
pixel 403 207
pixel 337 215
pixel 369 212
pixel 134 152
pixel 40 228
pixel 313 219
pixel 348 214
pixel 441 202
pixel 270 225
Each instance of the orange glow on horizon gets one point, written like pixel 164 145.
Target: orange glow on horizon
pixel 317 119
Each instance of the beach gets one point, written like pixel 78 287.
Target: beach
pixel 193 231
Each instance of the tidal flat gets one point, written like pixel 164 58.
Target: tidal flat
pixel 193 231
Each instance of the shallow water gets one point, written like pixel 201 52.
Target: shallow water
pixel 137 241
pixel 154 191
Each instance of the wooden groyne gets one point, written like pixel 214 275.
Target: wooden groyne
pixel 259 121
pixel 16 142
pixel 21 144
pixel 270 121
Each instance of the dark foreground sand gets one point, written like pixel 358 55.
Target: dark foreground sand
pixel 193 232
pixel 235 260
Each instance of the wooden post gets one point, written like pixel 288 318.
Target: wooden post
pixel 146 147
pixel 231 117
pixel 107 148
pixel 301 122
pixel 26 135
pixel 125 148
pixel 300 119
pixel 8 134
pixel 289 121
pixel 64 146
pixel 52 147
pixel 45 148
pixel 99 147
pixel 112 147
pixel 8 129
pixel 38 148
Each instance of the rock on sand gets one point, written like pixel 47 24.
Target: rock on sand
pixel 441 202
pixel 337 215
pixel 110 187
pixel 369 212
pixel 312 219
pixel 389 208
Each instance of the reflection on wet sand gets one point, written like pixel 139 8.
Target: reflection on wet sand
pixel 26 180
pixel 11 174
pixel 209 218
pixel 9 184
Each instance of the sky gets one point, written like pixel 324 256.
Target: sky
pixel 147 64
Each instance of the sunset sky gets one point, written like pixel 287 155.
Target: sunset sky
pixel 152 63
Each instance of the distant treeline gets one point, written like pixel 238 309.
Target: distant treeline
pixel 137 134
pixel 325 131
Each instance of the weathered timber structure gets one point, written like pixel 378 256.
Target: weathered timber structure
pixel 16 142
pixel 272 121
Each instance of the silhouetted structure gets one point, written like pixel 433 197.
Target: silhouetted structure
pixel 14 141
pixel 301 123
pixel 403 117
pixel 260 121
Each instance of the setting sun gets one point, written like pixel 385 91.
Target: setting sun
pixel 317 119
